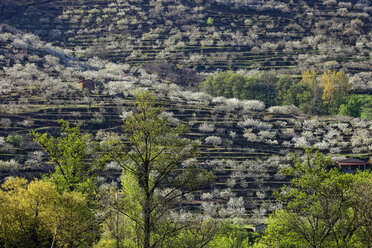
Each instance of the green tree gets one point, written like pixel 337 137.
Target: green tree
pixel 261 86
pixel 198 233
pixel 361 195
pixel 210 21
pixel 75 157
pixel 306 94
pixel 15 140
pixel 353 107
pixel 319 208
pixel 237 81
pixel 216 85
pixel 151 154
pixel 35 215
pixel 285 82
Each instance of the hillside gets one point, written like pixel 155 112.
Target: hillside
pixel 46 48
pixel 288 36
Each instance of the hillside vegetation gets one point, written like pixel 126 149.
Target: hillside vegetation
pixel 248 79
pixel 289 36
pixel 242 141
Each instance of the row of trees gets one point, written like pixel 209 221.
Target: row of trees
pixel 311 94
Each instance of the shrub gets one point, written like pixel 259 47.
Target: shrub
pixel 322 145
pixel 256 105
pixel 11 165
pixel 99 121
pixel 15 140
pixel 206 127
pixel 310 124
pixel 213 140
pixel 286 109
pixel 301 142
pixel 248 122
pixel 210 21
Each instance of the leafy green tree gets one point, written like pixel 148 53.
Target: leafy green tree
pixel 237 81
pixel 151 154
pixel 118 229
pixel 216 85
pixel 306 94
pixel 261 86
pixel 75 157
pixel 366 113
pixel 15 140
pixel 353 107
pixel 361 195
pixel 35 215
pixel 319 208
pixel 285 82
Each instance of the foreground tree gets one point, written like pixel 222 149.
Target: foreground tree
pixel 35 215
pixel 75 157
pixel 156 170
pixel 323 207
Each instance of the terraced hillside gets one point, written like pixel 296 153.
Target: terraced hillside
pixel 243 145
pixel 209 34
pixel 242 142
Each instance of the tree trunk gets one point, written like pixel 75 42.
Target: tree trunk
pixel 147 227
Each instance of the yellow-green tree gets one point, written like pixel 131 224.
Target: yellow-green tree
pixel 309 77
pixel 35 215
pixel 335 87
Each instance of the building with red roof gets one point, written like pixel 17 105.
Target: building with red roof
pixel 353 164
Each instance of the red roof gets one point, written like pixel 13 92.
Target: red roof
pixel 352 161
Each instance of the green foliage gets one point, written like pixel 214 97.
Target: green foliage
pixel 98 122
pixel 15 140
pixel 306 94
pixel 365 111
pixel 233 236
pixel 309 95
pixel 76 159
pixel 151 156
pixel 36 215
pixel 321 207
pixel 260 86
pixel 199 232
pixel 117 229
pixel 353 107
pixel 285 82
pixel 210 21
